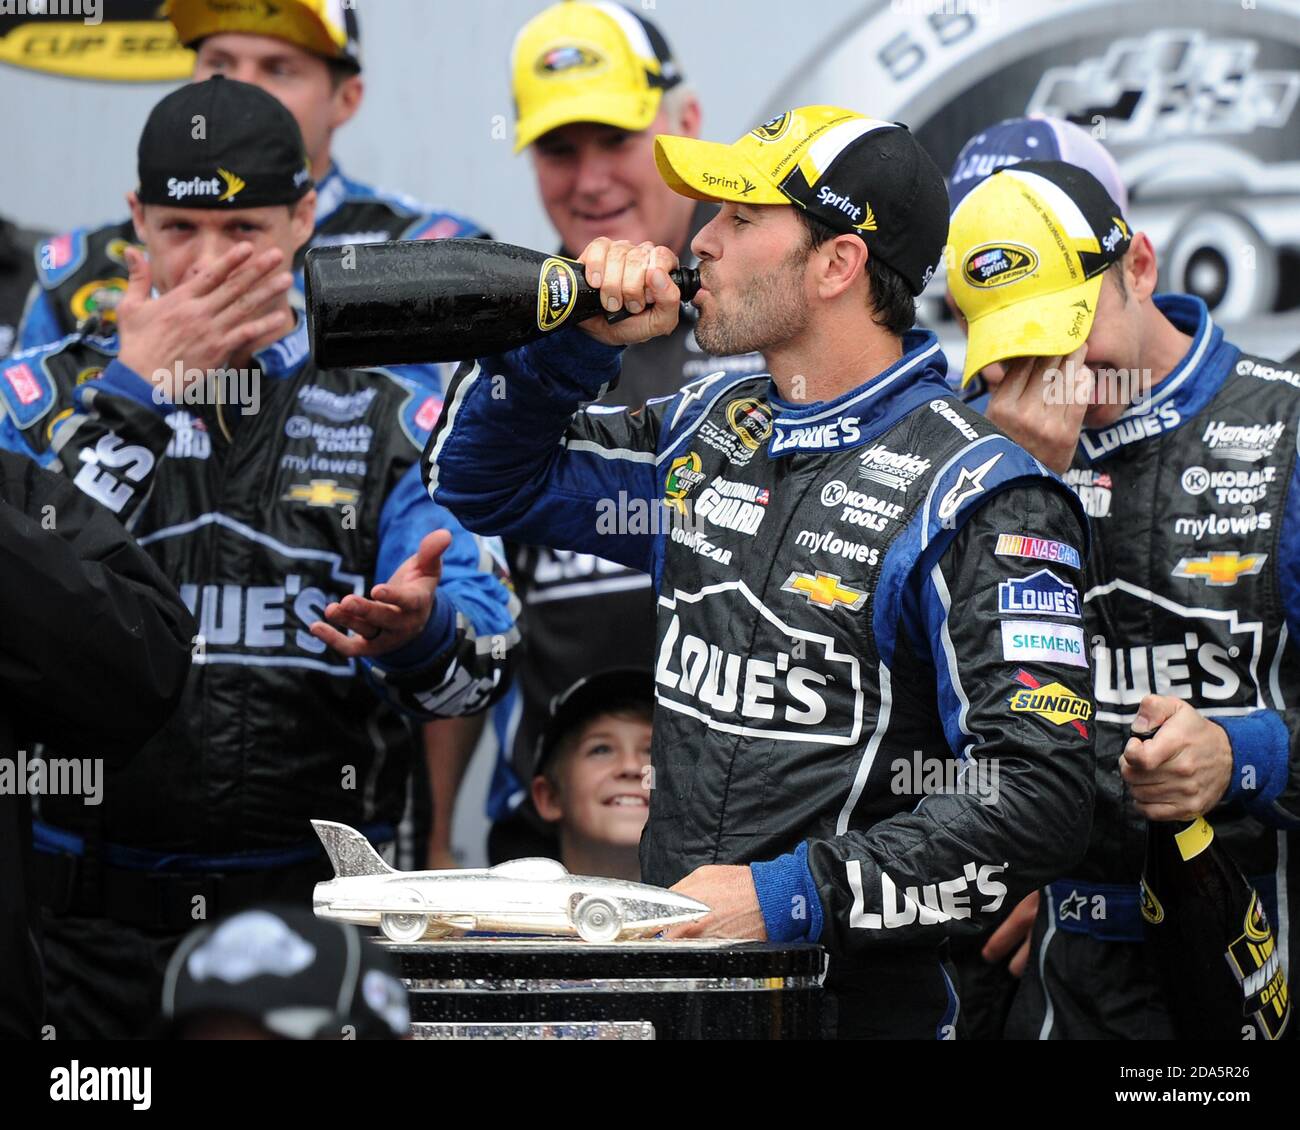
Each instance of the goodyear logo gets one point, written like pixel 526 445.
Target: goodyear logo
pixel 997 264
pixel 773 130
pixel 1052 701
pixel 571 57
pixel 751 420
pixel 685 474
pixel 557 291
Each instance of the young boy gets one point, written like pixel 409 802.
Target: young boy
pixel 592 775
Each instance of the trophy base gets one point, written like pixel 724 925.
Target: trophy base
pixel 538 988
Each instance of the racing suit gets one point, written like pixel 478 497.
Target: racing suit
pixel 317 494
pixel 82 273
pixel 1196 597
pixel 103 691
pixel 806 656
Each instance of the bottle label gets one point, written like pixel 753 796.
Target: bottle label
pixel 1152 911
pixel 1256 963
pixel 557 291
pixel 1194 839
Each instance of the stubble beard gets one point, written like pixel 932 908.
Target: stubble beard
pixel 769 312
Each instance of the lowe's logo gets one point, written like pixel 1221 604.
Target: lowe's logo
pixel 1043 594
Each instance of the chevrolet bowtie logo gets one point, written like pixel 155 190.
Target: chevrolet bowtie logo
pixel 824 590
pixel 321 492
pixel 1220 569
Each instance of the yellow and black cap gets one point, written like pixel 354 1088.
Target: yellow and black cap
pixel 1029 246
pixel 222 144
pixel 327 28
pixel 588 62
pixel 856 174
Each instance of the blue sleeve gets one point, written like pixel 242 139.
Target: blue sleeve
pixel 515 453
pixel 460 662
pixel 787 896
pixel 1266 743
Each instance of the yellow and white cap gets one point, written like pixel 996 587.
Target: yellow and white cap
pixel 854 173
pixel 1028 248
pixel 588 62
pixel 327 28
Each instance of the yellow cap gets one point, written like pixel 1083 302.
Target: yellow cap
pixel 1028 247
pixel 327 28
pixel 595 62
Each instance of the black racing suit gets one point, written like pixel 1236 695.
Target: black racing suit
pixel 1193 591
pixel 81 274
pixel 810 676
pixel 317 494
pixel 93 658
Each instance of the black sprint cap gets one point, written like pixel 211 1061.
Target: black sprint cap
pixel 860 175
pixel 588 698
pixel 299 976
pixel 222 144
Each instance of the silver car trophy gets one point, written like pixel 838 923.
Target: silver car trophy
pixel 524 896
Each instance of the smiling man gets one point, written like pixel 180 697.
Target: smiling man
pixel 825 520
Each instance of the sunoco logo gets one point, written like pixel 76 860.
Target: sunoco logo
pixel 790 685
pixel 998 264
pixel 557 291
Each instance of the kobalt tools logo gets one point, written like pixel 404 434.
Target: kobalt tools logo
pixel 1247 443
pixel 860 509
pixel 333 441
pixel 1268 373
pixel 1207 656
pixel 1094 490
pixel 1230 487
pixel 895 469
pixel 733 506
pixel 997 264
pixel 929 903
pixel 1130 430
pixel 1043 593
pixel 1052 702
pixel 949 413
pixel 843 432
pixel 1220 569
pixel 791 685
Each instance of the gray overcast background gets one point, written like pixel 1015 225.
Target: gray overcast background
pixel 437 77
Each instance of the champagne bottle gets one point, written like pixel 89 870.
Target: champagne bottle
pixel 1209 935
pixel 416 301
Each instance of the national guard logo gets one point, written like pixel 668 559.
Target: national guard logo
pixel 751 420
pixel 557 291
pixel 773 130
pixel 997 264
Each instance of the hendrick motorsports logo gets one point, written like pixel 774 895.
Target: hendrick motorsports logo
pixel 790 685
pixel 1208 656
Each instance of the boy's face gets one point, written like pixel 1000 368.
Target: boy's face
pixel 601 792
